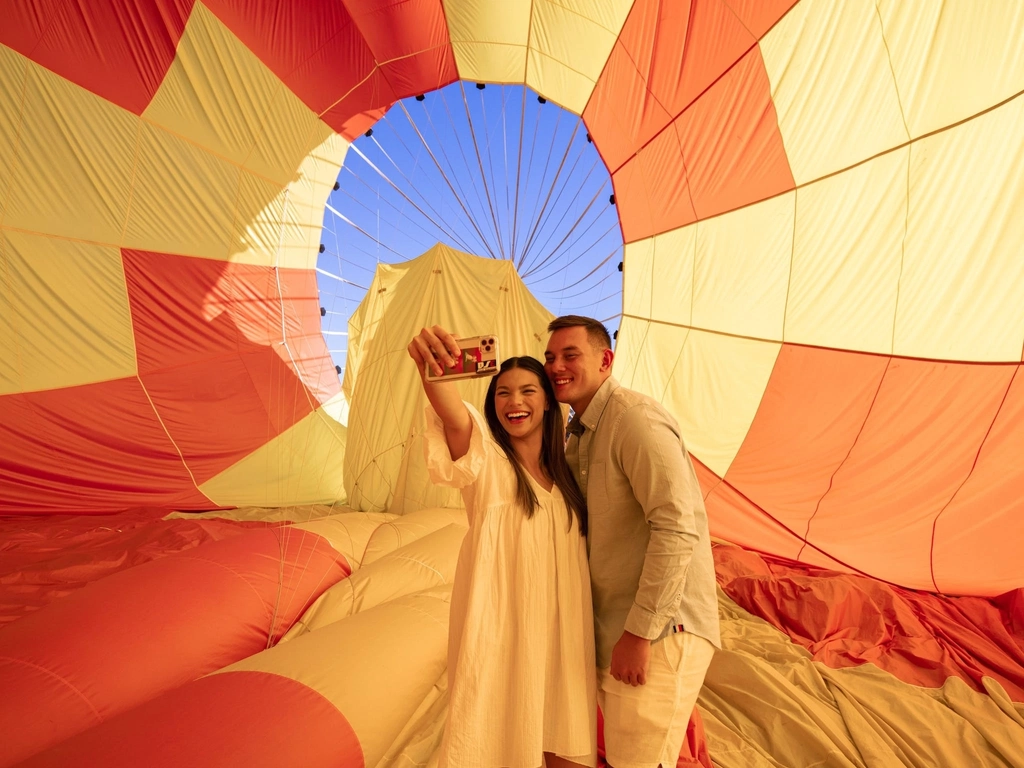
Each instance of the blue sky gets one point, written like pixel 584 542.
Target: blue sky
pixel 493 172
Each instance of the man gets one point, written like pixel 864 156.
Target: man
pixel 653 577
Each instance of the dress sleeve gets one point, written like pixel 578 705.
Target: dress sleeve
pixel 443 470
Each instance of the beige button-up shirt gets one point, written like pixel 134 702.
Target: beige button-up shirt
pixel 650 552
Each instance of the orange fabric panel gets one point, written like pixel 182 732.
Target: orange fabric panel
pixel 759 16
pixel 727 153
pixel 410 42
pixel 318 52
pixel 254 719
pixel 652 191
pixel 140 632
pixel 47 558
pixel 667 54
pixel 814 406
pixel 118 49
pixel 89 449
pixel 977 547
pixel 731 142
pixel 847 620
pixel 917 447
pixel 212 330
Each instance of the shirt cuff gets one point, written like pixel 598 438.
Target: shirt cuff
pixel 643 623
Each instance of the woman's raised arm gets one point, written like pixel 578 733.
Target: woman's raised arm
pixel 426 348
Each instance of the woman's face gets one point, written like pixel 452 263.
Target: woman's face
pixel 520 403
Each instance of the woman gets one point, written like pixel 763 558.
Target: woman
pixel 521 677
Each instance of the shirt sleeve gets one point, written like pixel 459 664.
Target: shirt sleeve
pixel 443 470
pixel 651 454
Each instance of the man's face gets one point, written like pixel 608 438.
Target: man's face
pixel 575 367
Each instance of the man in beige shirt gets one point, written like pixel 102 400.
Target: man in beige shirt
pixel 652 573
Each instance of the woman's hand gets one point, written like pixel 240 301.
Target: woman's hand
pixel 432 346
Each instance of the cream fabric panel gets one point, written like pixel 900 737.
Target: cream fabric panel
pixel 963 271
pixel 13 75
pixel 741 273
pixel 348 531
pixel 71 175
pixel 375 667
pixel 847 254
pixel 710 382
pixel 657 276
pixel 64 315
pixel 384 466
pixel 953 59
pixel 302 465
pixel 832 86
pixel 570 41
pixel 489 39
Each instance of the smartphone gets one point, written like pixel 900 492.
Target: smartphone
pixel 479 358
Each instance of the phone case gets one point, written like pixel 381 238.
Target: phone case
pixel 479 358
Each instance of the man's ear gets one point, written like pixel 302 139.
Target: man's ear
pixel 607 358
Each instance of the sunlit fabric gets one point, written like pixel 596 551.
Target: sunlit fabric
pixel 820 202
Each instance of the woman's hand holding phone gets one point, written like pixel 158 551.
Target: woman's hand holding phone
pixel 434 347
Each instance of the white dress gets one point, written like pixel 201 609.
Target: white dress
pixel 521 664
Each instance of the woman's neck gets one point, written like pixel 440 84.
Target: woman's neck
pixel 529 452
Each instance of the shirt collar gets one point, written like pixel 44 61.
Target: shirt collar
pixel 589 418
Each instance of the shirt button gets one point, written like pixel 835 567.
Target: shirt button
pixel 583 472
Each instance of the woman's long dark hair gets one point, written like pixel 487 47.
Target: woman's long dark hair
pixel 552 451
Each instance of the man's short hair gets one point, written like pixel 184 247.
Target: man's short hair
pixel 596 332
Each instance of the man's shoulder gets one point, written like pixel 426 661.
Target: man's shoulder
pixel 624 399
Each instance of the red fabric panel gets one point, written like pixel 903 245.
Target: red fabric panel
pixel 667 54
pixel 118 49
pixel 89 449
pixel 978 536
pixel 811 412
pixel 652 191
pixel 47 558
pixel 731 142
pixel 208 339
pixel 410 42
pixel 917 447
pixel 846 620
pixel 759 16
pixel 254 719
pixel 133 635
pixel 693 753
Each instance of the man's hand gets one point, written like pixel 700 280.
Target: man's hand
pixel 630 658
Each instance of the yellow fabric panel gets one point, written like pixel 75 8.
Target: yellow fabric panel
pixel 420 740
pixel 72 171
pixel 489 39
pixel 405 529
pixel 348 531
pixel 847 254
pixel 13 76
pixel 375 667
pixel 384 465
pixel 657 276
pixel 711 383
pixel 305 195
pixel 302 465
pixel 953 59
pixel 741 270
pixel 570 42
pixel 761 685
pixel 65 315
pixel 294 514
pixel 219 96
pixel 963 271
pixel 425 563
pixel 832 86
pixel 183 200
